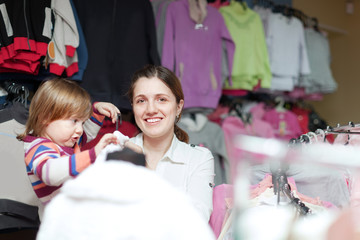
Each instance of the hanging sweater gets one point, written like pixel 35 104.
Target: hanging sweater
pixel 65 38
pixel 49 165
pixel 194 53
pixel 251 60
pixel 24 34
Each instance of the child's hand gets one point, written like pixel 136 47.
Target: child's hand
pixel 107 109
pixel 104 141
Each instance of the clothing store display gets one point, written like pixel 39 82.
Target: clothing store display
pixel 19 205
pixel 207 134
pixel 194 53
pixel 121 38
pixel 251 61
pixel 81 50
pixel 160 8
pixel 314 181
pixel 233 126
pixel 116 193
pixel 288 57
pixel 264 15
pixel 284 123
pixel 189 168
pixel 320 79
pixel 255 166
pixel 22 45
pixel 65 37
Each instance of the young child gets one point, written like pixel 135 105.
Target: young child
pixel 61 119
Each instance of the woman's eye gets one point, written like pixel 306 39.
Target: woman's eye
pixel 140 101
pixel 162 99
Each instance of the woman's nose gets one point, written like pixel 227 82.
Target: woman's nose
pixel 151 107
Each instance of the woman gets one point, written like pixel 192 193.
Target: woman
pixel 157 100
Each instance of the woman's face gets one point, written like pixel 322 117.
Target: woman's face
pixel 155 108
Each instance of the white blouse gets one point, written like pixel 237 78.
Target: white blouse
pixel 189 168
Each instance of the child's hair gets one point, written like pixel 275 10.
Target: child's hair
pixel 56 99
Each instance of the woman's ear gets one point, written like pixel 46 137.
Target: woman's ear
pixel 179 107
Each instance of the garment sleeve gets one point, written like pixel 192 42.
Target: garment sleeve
pixel 168 49
pixel 266 71
pixel 304 59
pixel 92 127
pixel 65 38
pixel 228 48
pixel 71 35
pixel 201 184
pixel 151 32
pixel 221 149
pixel 53 169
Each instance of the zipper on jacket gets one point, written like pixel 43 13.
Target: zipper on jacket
pixel 26 25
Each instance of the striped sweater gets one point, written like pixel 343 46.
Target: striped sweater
pixel 49 165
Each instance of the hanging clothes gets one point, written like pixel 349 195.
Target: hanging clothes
pixel 62 54
pixel 194 52
pixel 320 80
pixel 24 35
pixel 81 50
pixel 160 8
pixel 284 123
pixel 233 126
pixel 288 55
pixel 121 38
pixel 251 61
pixel 312 180
pixel 207 134
pixel 17 198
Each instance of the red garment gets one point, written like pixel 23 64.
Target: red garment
pixel 218 115
pixel 218 4
pixel 126 128
pixel 303 118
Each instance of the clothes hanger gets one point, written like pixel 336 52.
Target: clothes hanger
pixel 127 155
pixel 345 129
pixel 315 24
pixel 312 137
pixel 321 133
pixel 118 121
pixel 280 102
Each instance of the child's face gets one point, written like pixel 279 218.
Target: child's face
pixel 64 132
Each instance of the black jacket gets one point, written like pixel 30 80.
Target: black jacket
pixel 121 38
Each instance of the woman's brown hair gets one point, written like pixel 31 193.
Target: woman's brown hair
pixel 56 99
pixel 171 81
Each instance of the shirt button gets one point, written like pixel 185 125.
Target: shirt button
pixel 192 145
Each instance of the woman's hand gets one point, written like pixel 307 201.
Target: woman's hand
pixel 104 141
pixel 107 109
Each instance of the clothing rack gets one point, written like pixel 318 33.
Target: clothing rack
pixel 281 184
pixel 307 21
pixel 343 129
pixel 339 129
pixel 16 93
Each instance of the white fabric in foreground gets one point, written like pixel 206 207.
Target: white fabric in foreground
pixel 118 200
